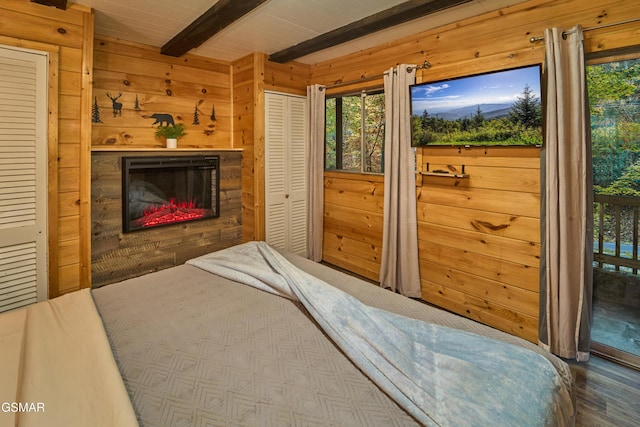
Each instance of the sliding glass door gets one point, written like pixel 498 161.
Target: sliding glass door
pixel 614 97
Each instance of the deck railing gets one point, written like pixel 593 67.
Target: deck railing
pixel 616 232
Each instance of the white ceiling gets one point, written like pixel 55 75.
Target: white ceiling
pixel 273 26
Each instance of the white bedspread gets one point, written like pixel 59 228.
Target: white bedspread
pixel 442 376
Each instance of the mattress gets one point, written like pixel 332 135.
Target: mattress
pixel 195 348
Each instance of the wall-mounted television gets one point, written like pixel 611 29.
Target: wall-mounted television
pixel 496 108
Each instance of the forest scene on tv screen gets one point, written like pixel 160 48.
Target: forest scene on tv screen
pixel 497 108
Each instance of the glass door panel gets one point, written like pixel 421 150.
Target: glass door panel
pixel 614 97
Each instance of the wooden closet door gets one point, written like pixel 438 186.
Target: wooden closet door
pixel 23 177
pixel 285 172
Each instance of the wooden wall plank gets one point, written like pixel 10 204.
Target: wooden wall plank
pixel 342 182
pixel 148 86
pixel 244 137
pixel 69 204
pixel 497 178
pixel 156 67
pixel 55 157
pixel 364 202
pixel 38 24
pixel 499 224
pixel 350 262
pixel 84 198
pixel 615 38
pixel 69 277
pixel 516 299
pixel 127 48
pixel 70 82
pixel 68 230
pixel 517 251
pixel 521 204
pixel 71 59
pixel 291 77
pixel 353 215
pixel 64 34
pixel 69 180
pixel 259 202
pixel 190 89
pixel 482 310
pixel 356 247
pixel 69 252
pixel 69 107
pixel 514 274
pixel 367 224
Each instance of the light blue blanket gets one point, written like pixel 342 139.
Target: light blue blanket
pixel 441 376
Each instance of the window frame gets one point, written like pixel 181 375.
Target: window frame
pixel 339 167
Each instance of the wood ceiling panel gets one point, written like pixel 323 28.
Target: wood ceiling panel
pixel 274 26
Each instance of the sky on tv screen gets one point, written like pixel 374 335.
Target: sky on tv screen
pixel 503 87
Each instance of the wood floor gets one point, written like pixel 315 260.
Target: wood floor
pixel 608 394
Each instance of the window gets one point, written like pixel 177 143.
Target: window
pixel 354 138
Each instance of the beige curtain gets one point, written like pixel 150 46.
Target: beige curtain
pixel 399 268
pixel 315 170
pixel 567 200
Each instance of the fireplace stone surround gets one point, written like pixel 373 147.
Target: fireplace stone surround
pixel 116 256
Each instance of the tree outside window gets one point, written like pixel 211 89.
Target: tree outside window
pixel 614 95
pixel 614 100
pixel 354 138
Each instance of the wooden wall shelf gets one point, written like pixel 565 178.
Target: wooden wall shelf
pixel 447 175
pixel 444 172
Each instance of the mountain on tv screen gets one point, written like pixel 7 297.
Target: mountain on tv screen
pixel 497 108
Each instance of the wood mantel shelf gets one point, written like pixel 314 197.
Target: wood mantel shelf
pixel 159 149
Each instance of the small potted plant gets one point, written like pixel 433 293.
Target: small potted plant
pixel 171 133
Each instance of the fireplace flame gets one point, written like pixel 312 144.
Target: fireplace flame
pixel 169 213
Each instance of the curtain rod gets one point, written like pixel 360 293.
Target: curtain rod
pixel 541 38
pixel 424 65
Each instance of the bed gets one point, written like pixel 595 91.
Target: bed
pixel 255 336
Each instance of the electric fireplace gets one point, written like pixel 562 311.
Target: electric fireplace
pixel 165 190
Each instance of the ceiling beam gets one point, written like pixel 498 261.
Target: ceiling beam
pixel 396 15
pixel 60 4
pixel 218 17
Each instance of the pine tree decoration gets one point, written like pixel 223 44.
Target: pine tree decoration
pixel 196 116
pixel 136 106
pixel 95 111
pixel 213 113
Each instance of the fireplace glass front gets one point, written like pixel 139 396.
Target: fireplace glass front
pixel 159 191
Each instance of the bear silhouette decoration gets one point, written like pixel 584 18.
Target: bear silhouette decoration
pixel 163 119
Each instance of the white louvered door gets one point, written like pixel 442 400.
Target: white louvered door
pixel 23 177
pixel 285 172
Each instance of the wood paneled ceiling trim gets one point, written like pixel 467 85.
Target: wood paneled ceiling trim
pixel 218 17
pixel 396 15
